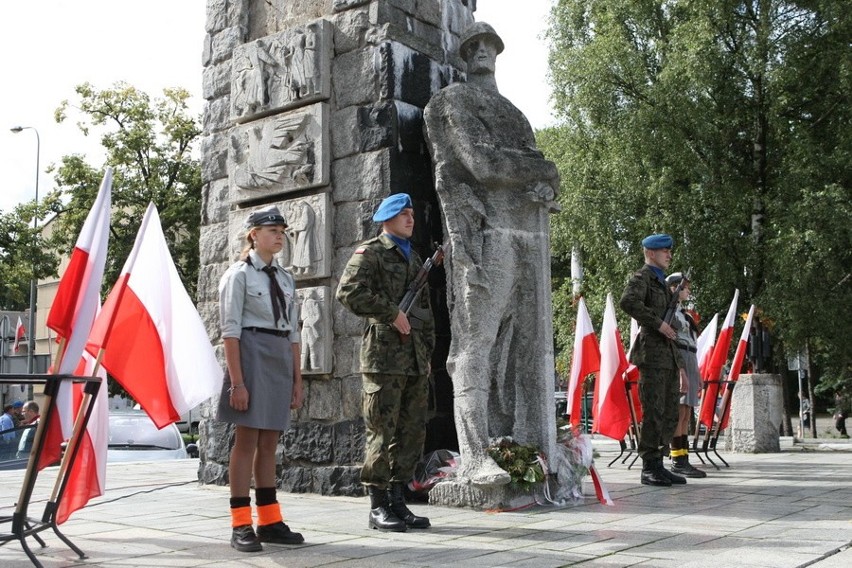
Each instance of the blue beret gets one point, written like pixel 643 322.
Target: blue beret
pixel 392 206
pixel 268 216
pixel 17 404
pixel 658 241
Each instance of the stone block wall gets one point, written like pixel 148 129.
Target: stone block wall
pixel 316 106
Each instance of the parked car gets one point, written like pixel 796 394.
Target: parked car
pixel 188 423
pixel 133 436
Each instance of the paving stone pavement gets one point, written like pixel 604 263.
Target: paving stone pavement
pixel 787 509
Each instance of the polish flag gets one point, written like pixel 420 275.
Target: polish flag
pixel 631 375
pixel 87 478
pixel 736 365
pixel 611 411
pixel 586 360
pixel 74 310
pixel 714 367
pixel 19 333
pixel 154 343
pixel 704 345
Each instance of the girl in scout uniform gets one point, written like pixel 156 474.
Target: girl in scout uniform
pixel 259 314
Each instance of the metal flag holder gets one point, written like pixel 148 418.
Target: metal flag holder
pixel 632 438
pixel 23 526
pixel 711 433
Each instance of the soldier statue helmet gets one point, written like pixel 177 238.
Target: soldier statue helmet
pixel 476 31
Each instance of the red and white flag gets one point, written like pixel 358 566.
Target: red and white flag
pixel 585 361
pixel 704 345
pixel 736 365
pixel 714 367
pixel 153 339
pixel 610 407
pixel 19 333
pixel 87 478
pixel 71 315
pixel 631 375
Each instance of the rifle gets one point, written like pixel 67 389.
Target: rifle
pixel 417 284
pixel 671 310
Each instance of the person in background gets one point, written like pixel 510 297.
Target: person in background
pixel 687 337
pixel 804 414
pixel 841 412
pixel 8 423
pixel 259 313
pixel 30 412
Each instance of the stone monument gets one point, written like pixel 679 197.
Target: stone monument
pixel 756 412
pixel 316 106
pixel 496 191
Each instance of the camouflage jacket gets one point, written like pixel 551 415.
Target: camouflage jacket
pixel 373 283
pixel 645 299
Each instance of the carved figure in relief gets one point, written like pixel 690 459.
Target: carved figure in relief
pixel 253 77
pixel 306 249
pixel 274 152
pixel 311 337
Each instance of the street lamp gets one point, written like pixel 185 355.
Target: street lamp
pixel 31 349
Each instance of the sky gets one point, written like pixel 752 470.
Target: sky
pixel 51 46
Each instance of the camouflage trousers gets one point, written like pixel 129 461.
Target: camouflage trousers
pixel 659 392
pixel 394 408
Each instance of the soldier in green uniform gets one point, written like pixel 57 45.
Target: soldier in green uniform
pixel 655 353
pixel 395 353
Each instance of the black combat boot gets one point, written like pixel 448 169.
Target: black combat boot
pixel 381 516
pixel 651 475
pixel 680 462
pixel 397 506
pixel 672 477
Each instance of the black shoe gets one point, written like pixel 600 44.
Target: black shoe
pixel 383 519
pixel 278 533
pixel 655 478
pixel 683 467
pixel 396 494
pixel 244 539
pixel 674 478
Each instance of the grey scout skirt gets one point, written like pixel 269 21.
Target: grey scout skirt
pixel 267 362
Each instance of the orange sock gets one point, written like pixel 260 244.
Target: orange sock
pixel 269 514
pixel 240 516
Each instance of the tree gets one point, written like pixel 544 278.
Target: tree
pixel 23 254
pixel 149 143
pixel 724 123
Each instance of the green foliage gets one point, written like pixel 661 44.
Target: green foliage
pixel 724 124
pixel 150 144
pixel 23 254
pixel 521 462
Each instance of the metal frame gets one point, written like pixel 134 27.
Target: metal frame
pixel 23 526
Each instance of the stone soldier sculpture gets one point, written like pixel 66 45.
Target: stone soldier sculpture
pixel 655 353
pixel 496 191
pixel 396 350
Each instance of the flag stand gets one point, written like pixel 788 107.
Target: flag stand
pixel 632 431
pixel 23 526
pixel 712 432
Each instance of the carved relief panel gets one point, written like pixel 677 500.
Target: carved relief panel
pixel 283 153
pixel 307 251
pixel 316 330
pixel 282 71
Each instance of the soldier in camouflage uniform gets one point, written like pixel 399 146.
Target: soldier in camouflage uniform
pixel 655 353
pixel 395 353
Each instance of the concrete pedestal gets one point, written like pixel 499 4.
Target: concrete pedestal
pixel 756 412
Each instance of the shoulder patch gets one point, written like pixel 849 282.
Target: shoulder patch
pixel 360 250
